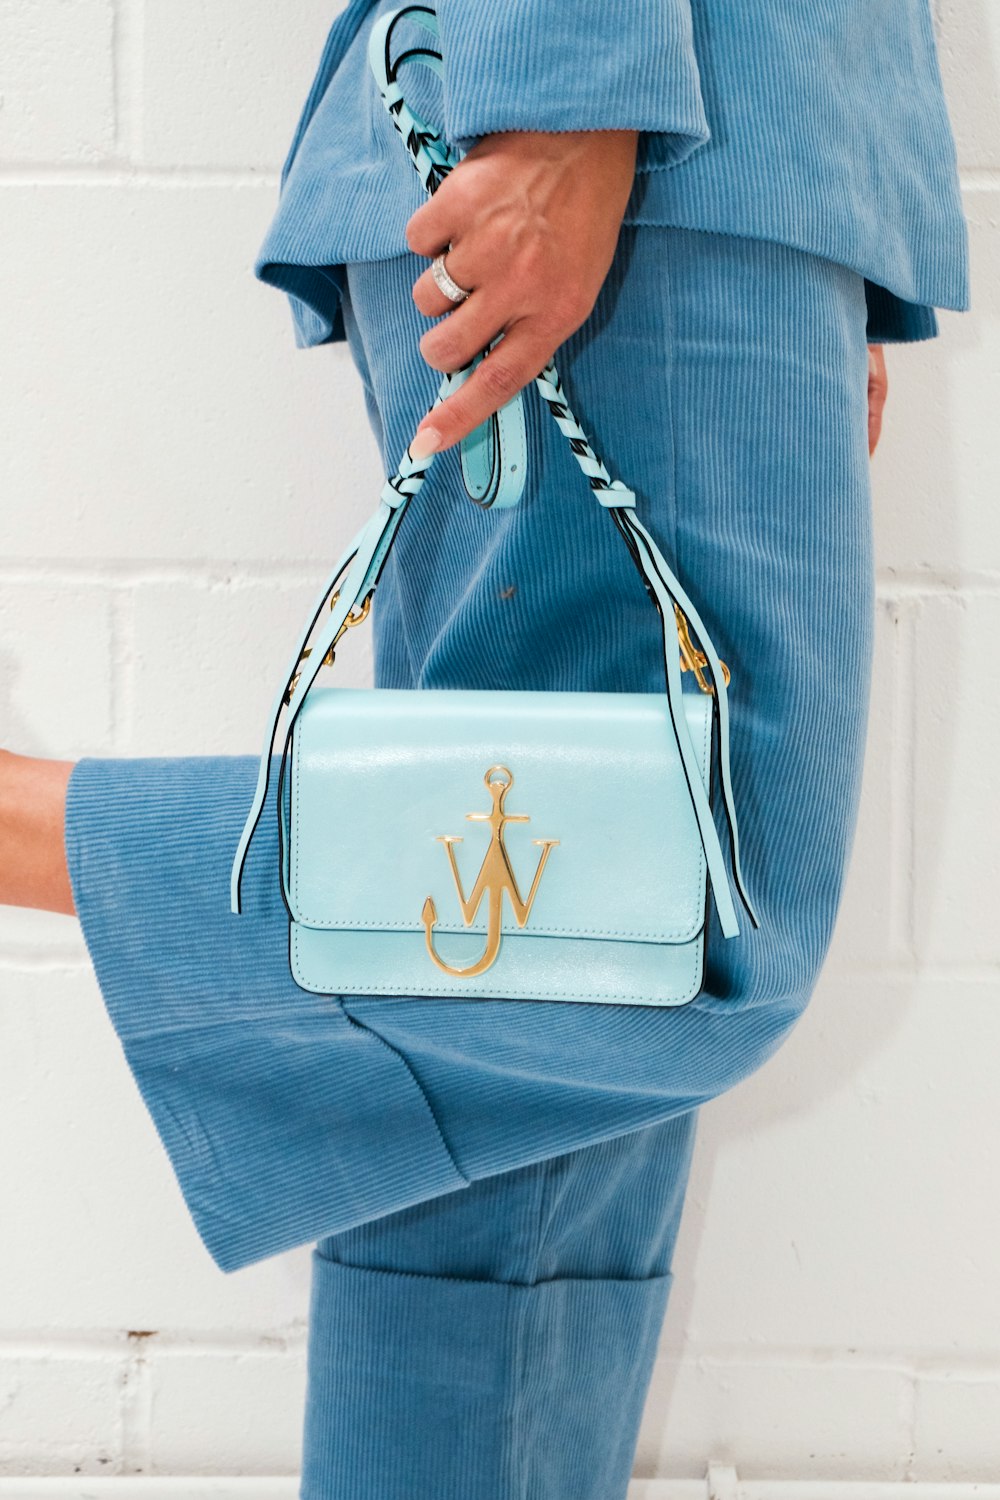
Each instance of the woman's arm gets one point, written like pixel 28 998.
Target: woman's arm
pixel 33 870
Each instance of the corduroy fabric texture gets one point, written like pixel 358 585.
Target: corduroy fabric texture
pixel 725 380
pixel 498 1342
pixel 820 126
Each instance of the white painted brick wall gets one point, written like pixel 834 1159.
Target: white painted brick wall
pixel 837 1310
pixel 58 71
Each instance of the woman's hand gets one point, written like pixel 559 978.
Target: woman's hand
pixel 878 387
pixel 533 219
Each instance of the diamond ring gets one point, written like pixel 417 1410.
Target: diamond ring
pixel 451 289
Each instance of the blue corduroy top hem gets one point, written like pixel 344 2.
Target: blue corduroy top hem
pixel 314 296
pixel 824 130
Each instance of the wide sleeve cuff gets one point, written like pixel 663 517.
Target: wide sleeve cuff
pixel 284 1120
pixel 536 65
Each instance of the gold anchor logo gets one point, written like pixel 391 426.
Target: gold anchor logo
pixel 495 876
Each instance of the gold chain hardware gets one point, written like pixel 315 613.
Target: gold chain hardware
pixel 350 621
pixel 691 659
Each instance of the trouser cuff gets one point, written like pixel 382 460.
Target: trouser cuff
pixel 439 1388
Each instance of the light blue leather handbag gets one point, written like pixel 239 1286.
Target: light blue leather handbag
pixel 498 844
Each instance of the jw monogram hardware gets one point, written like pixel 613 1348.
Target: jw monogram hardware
pixel 621 782
pixel 494 879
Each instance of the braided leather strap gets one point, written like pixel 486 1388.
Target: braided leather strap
pixel 493 458
pixel 433 159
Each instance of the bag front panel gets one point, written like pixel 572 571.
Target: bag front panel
pixel 556 826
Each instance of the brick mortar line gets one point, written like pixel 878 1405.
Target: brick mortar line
pixel 126 575
pixel 110 573
pixel 141 1346
pixel 916 1367
pixel 99 1344
pixel 27 962
pixel 123 173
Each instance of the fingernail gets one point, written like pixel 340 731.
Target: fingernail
pixel 425 441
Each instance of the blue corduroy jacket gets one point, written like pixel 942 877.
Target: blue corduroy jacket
pixel 822 126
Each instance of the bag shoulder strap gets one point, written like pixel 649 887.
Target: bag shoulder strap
pixel 367 553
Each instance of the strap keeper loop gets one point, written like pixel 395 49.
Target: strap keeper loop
pixel 616 493
pixel 391 496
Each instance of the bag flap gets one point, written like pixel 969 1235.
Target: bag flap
pixel 379 777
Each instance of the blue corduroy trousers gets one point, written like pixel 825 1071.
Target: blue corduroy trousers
pixel 504 1182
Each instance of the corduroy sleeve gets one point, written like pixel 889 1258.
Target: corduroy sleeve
pixel 283 1119
pixel 546 65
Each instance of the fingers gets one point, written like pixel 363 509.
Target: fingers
pixel 878 389
pixel 468 326
pixel 529 340
pixel 428 296
pixel 507 368
pixel 443 218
